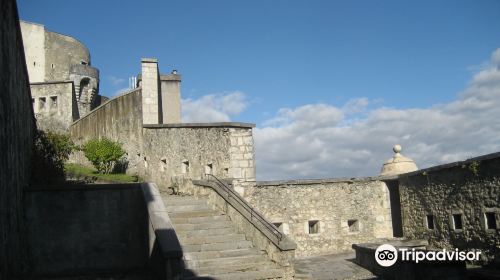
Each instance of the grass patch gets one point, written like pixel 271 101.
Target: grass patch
pixel 77 170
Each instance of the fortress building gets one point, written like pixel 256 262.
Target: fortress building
pixel 64 85
pixel 203 212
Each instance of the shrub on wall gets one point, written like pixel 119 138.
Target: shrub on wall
pixel 103 153
pixel 50 151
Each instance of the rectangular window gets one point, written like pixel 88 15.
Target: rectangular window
pixel 457 221
pixel 313 227
pixel 353 225
pixel 53 102
pixel 491 221
pixel 41 103
pixel 430 221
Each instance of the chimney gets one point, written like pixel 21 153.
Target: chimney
pixel 151 99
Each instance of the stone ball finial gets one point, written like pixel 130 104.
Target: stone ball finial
pixel 398 164
pixel 397 148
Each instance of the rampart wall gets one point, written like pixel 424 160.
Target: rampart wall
pixel 17 125
pixel 119 119
pixel 466 193
pixel 54 105
pixel 86 228
pixel 326 216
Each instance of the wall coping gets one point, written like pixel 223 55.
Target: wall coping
pixel 81 187
pixel 162 226
pixel 51 83
pixel 449 165
pixel 105 103
pixel 314 181
pixel 201 125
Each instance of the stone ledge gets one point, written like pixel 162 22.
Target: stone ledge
pixel 51 83
pixel 201 125
pixel 314 181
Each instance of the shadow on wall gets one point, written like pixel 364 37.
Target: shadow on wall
pixel 106 229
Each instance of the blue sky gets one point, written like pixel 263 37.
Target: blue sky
pixel 266 61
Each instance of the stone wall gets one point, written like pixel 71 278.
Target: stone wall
pixel 119 119
pixel 17 125
pixel 178 151
pixel 50 55
pixel 346 212
pixel 470 190
pixel 88 228
pixel 53 104
pixel 62 51
pixel 34 49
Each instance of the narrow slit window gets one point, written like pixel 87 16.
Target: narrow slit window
pixel 185 166
pixel 313 227
pixel 430 221
pixel 457 221
pixel 209 169
pixel 491 221
pixel 53 102
pixel 353 225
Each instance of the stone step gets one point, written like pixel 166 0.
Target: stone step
pixel 193 214
pixel 171 200
pixel 223 262
pixel 249 275
pixel 217 246
pixel 221 254
pixel 206 232
pixel 218 270
pixel 184 208
pixel 180 228
pixel 197 220
pixel 213 239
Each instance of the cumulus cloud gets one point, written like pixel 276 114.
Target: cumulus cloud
pixel 214 107
pixel 321 140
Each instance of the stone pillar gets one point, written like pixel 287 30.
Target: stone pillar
pixel 171 97
pixel 151 100
pixel 242 162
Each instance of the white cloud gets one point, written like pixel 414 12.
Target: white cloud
pixel 321 140
pixel 115 80
pixel 214 107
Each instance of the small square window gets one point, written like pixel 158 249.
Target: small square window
pixel 313 227
pixel 278 225
pixel 353 225
pixel 185 166
pixel 457 221
pixel 430 221
pixel 491 220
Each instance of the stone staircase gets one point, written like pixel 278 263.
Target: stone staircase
pixel 212 247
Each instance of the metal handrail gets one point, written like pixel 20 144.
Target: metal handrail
pixel 231 193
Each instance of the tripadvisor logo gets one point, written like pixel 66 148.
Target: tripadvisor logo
pixel 387 255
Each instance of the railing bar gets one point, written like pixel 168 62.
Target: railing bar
pixel 243 203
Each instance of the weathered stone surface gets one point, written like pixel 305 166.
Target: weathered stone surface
pixel 16 137
pixel 54 105
pixel 470 188
pixel 330 202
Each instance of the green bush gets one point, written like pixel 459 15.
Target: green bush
pixel 103 153
pixel 50 151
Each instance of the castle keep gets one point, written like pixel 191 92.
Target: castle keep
pixel 203 212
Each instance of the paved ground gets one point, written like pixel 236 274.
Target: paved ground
pixel 328 267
